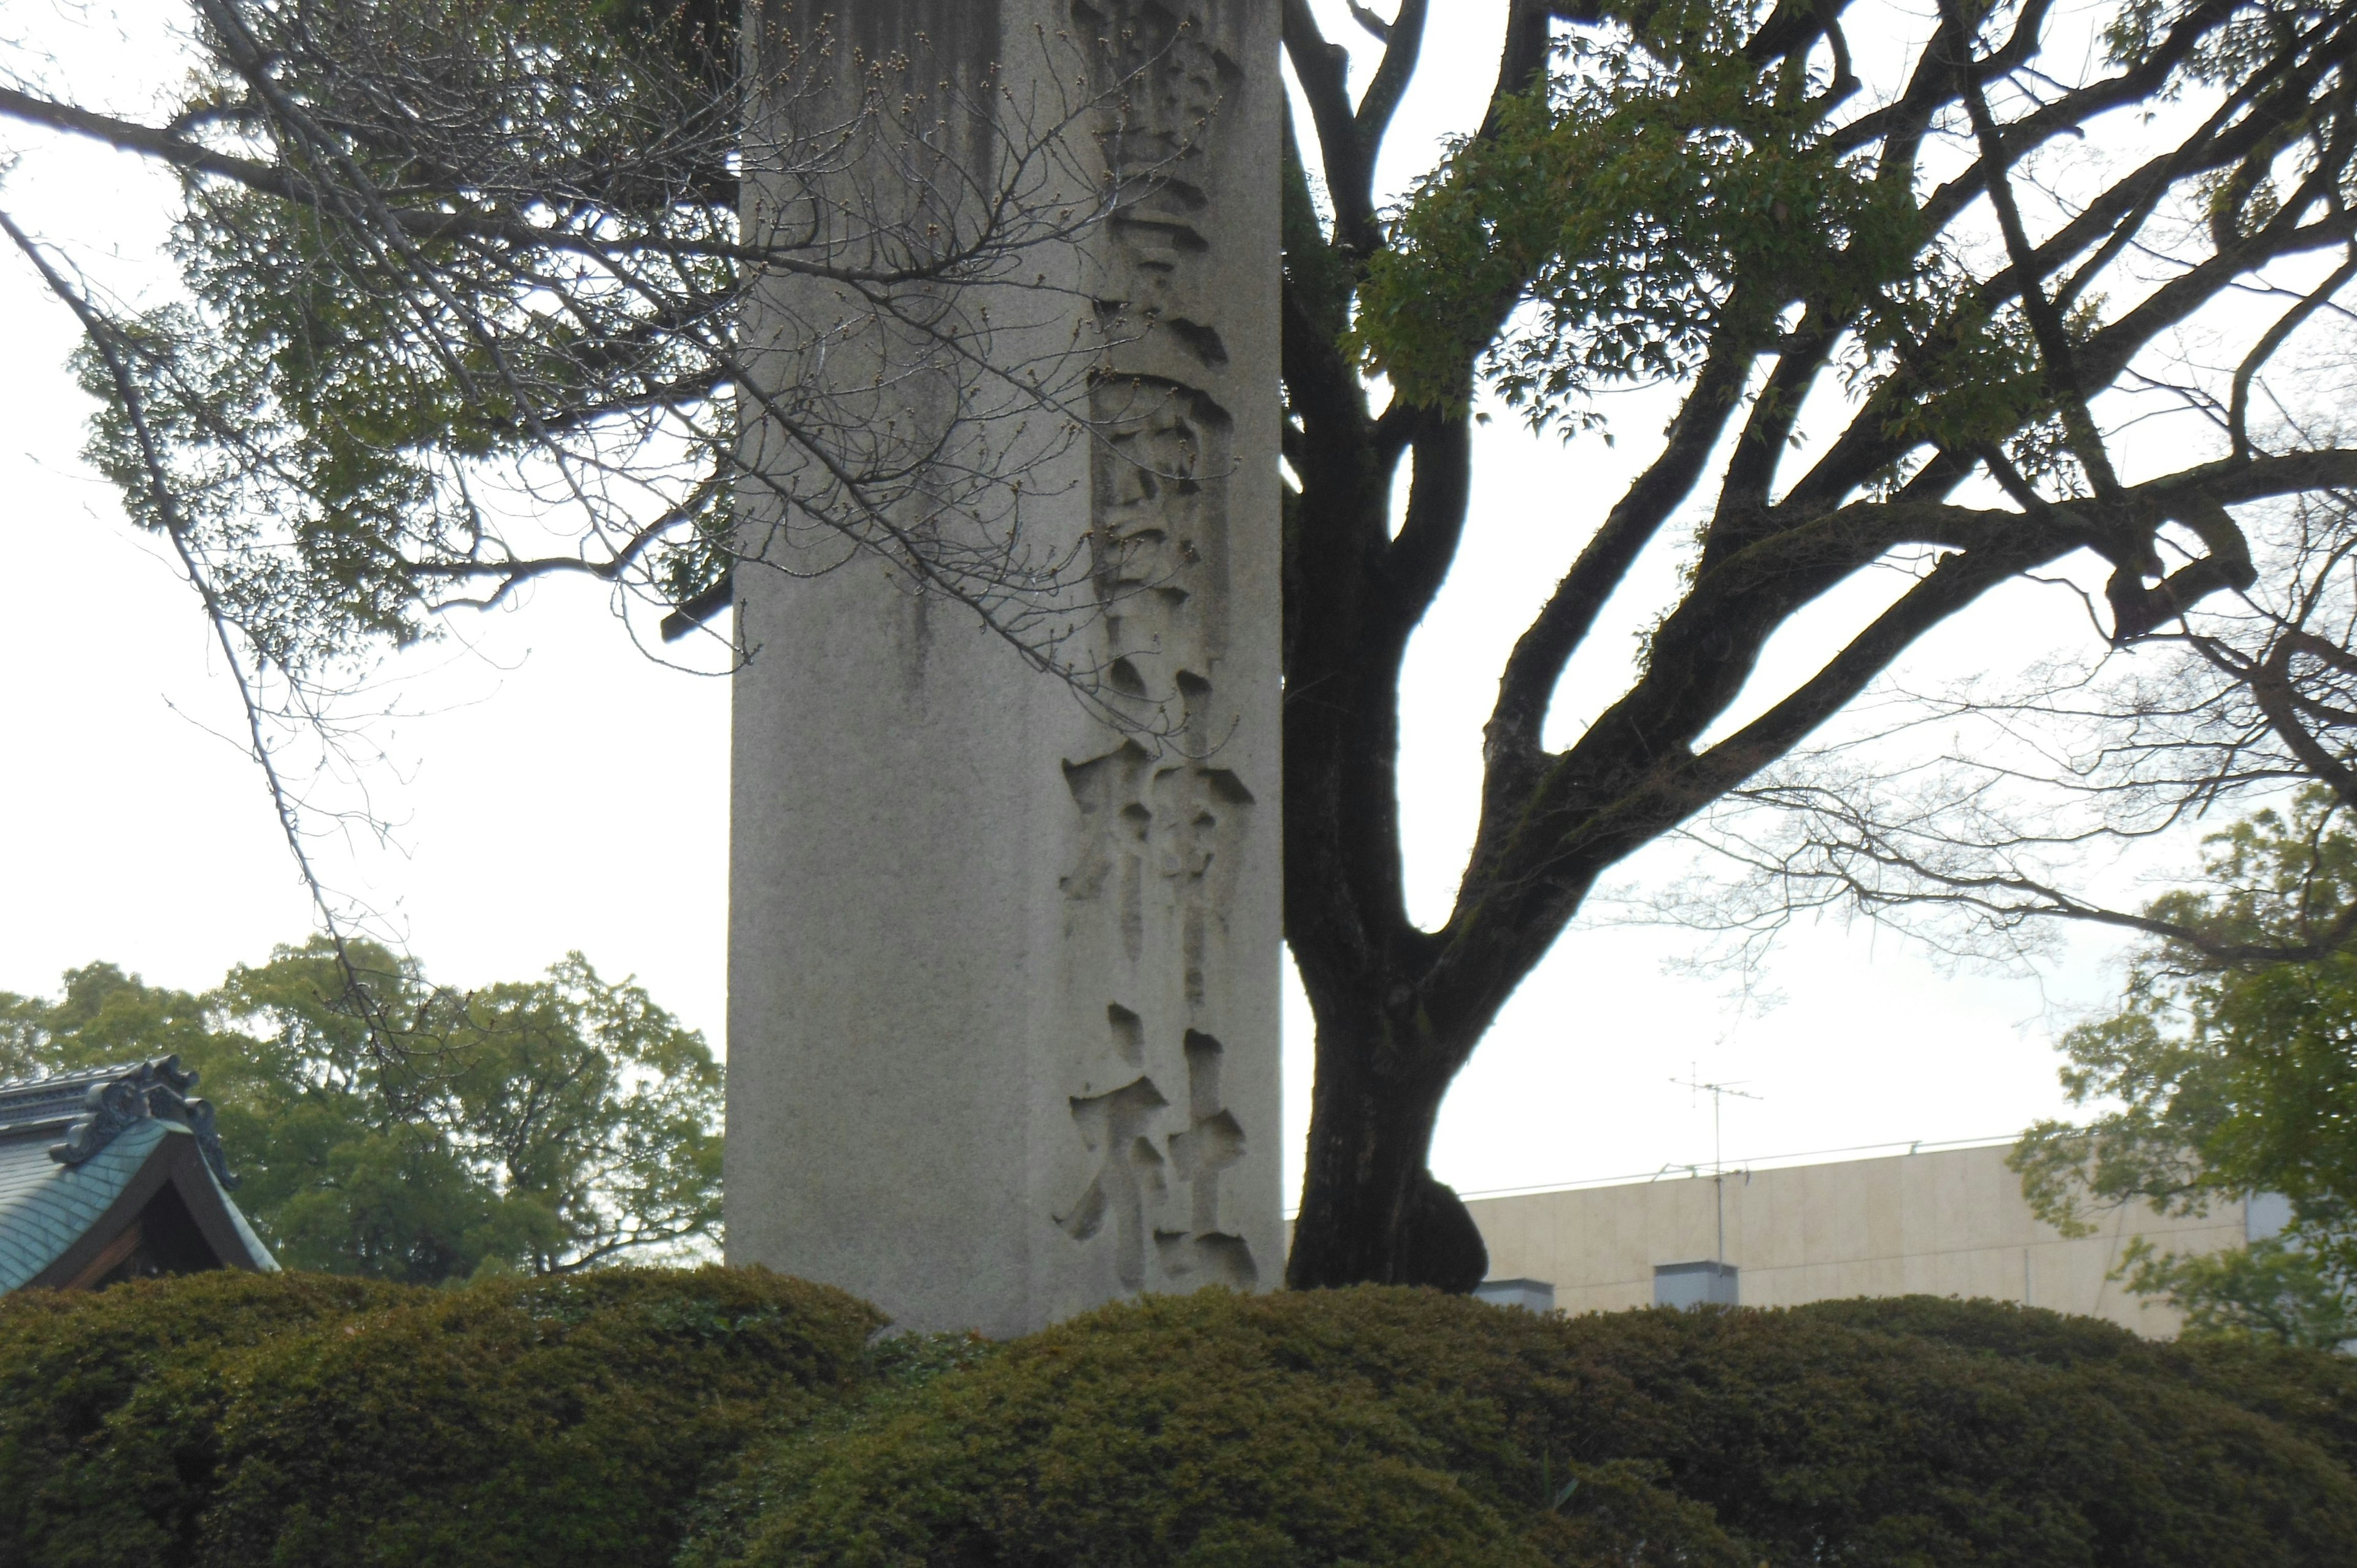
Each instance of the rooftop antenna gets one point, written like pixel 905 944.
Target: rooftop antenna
pixel 1717 1093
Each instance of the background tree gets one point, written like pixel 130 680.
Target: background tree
pixel 2233 1075
pixel 1915 258
pixel 2225 1079
pixel 546 1125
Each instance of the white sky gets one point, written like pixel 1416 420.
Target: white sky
pixel 555 789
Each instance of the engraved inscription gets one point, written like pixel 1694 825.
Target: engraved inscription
pixel 1186 821
pixel 1128 1034
pixel 1110 791
pixel 1116 1127
pixel 1204 1252
pixel 1180 68
pixel 1159 541
pixel 1133 1180
pixel 1212 1141
pixel 1161 817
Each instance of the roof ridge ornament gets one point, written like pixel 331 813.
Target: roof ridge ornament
pixel 156 1090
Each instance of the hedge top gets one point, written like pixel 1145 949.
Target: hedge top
pixel 1387 1426
pixel 311 1418
pixel 733 1419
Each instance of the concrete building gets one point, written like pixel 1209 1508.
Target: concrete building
pixel 1934 1220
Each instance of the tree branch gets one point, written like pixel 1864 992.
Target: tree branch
pixel 1403 48
pixel 1323 71
pixel 1544 648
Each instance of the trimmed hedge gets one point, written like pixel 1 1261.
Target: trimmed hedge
pixel 2313 1394
pixel 306 1420
pixel 1388 1426
pixel 292 1419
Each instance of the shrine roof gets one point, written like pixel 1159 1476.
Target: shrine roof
pixel 72 1144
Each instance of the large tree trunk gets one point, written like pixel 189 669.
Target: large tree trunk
pixel 1354 593
pixel 1370 1209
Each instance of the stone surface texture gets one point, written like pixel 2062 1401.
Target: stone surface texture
pixel 1004 975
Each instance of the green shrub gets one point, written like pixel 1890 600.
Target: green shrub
pixel 2315 1395
pixel 110 1403
pixel 1385 1426
pixel 307 1420
pixel 240 1419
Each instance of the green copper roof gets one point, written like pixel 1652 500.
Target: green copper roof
pixel 69 1149
pixel 44 1206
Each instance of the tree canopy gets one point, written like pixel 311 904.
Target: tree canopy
pixel 1908 299
pixel 2221 1080
pixel 1906 290
pixel 545 1125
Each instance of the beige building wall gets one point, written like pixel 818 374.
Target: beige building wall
pixel 1940 1222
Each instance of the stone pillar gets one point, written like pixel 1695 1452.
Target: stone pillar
pixel 1002 974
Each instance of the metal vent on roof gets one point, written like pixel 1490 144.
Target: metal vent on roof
pixel 1694 1284
pixel 1531 1295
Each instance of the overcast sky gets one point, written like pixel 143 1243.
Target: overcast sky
pixel 555 789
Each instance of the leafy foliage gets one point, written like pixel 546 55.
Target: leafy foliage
pixel 2314 1395
pixel 337 388
pixel 1381 1426
pixel 302 1419
pixel 1606 218
pixel 543 1124
pixel 461 282
pixel 2270 1289
pixel 229 1418
pixel 2230 1079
